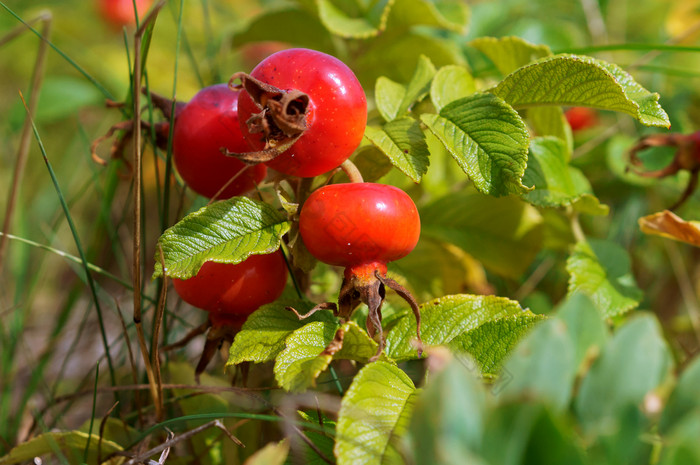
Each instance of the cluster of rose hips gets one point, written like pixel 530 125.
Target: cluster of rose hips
pixel 301 113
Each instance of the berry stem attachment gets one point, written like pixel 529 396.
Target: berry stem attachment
pixel 350 169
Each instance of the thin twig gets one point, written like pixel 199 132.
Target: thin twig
pixel 103 424
pixel 132 362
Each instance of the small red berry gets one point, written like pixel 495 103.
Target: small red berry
pixel 205 125
pixel 334 116
pixel 231 292
pixel 580 118
pixel 120 13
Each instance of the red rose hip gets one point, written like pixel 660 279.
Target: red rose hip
pixel 205 125
pixel 301 91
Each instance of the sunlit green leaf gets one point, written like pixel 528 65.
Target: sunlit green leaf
pixel 271 454
pixel 452 15
pixel 356 25
pixel 491 342
pixel 504 234
pixel 581 81
pixel 374 411
pixel 357 345
pixel 388 96
pixel 487 138
pixel 402 140
pixel 556 183
pixel 509 53
pixel 394 99
pixel 451 83
pixel 264 332
pixel 303 358
pixel 602 270
pixel 228 231
pixel 444 319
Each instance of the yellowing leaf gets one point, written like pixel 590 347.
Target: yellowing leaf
pixel 671 226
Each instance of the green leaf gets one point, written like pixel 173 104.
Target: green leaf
pixel 633 363
pixel 681 446
pixel 372 163
pixel 357 345
pixel 375 410
pixel 71 444
pixel 394 99
pixel 556 183
pixel 303 359
pixel 452 15
pixel 587 330
pixel 581 81
pixel 228 231
pixel 684 399
pixel 292 26
pixel 550 121
pixel 263 334
pixel 402 140
pixel 541 366
pixel 447 425
pixel 451 83
pixel 509 53
pixel 355 25
pixel 602 270
pixel 487 138
pixel 504 234
pixel 491 342
pixel 444 319
pixel 274 453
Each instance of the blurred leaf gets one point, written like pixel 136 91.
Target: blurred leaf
pixel 394 99
pixel 542 366
pixel 263 334
pixel 487 138
pixel 71 444
pixel 633 363
pixel 556 183
pixel 550 121
pixel 587 330
pixel 303 358
pixel 528 433
pixel 684 399
pixel 274 453
pixel 292 26
pixel 671 226
pixel 228 231
pixel 452 15
pixel 302 452
pixel 504 234
pixel 402 140
pixel 602 270
pixel 581 81
pixel 444 319
pixel 681 446
pixel 447 425
pixel 60 97
pixel 372 163
pixel 357 345
pixel 451 83
pixel 509 53
pixel 369 22
pixel 396 56
pixel 491 342
pixel 373 413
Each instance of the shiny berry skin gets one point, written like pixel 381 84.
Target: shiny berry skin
pixel 231 292
pixel 580 118
pixel 336 115
pixel 120 13
pixel 206 124
pixel 359 224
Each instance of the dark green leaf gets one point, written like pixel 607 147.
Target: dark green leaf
pixel 228 231
pixel 487 138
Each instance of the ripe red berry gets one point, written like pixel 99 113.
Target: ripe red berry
pixel 581 118
pixel 335 115
pixel 120 13
pixel 358 223
pixel 231 292
pixel 362 226
pixel 208 123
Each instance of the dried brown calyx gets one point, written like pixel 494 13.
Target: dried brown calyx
pixel 687 157
pixel 280 121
